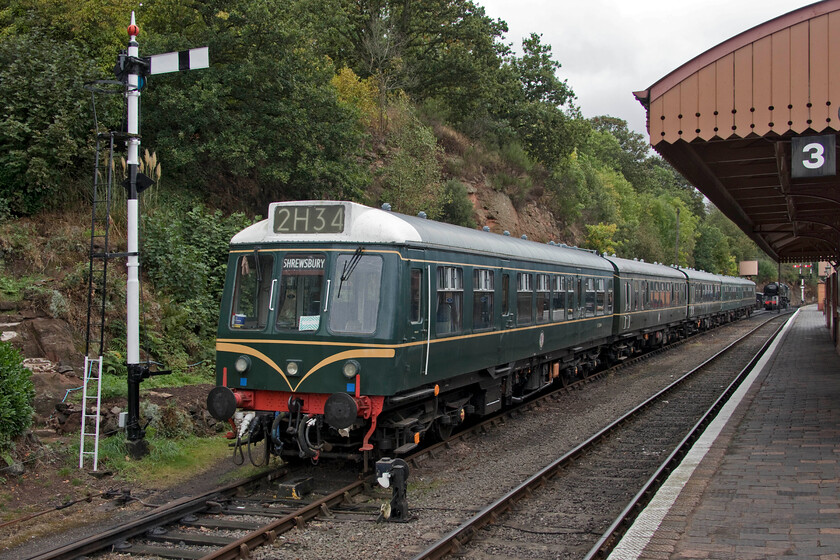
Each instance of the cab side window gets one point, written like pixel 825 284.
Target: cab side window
pixel 252 291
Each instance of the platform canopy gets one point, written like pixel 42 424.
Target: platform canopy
pixel 752 123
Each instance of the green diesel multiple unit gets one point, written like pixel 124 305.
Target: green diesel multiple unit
pixel 346 329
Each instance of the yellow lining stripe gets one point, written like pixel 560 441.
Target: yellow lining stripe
pixel 247 350
pixel 347 355
pixel 227 341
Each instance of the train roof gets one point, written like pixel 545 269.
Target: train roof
pixel 738 280
pixel 641 267
pixel 362 224
pixel 701 275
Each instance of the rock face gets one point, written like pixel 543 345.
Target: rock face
pixel 54 341
pixel 51 387
pixel 50 353
pixel 495 209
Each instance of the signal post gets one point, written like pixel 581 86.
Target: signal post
pixel 132 70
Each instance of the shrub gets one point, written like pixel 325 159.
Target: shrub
pixel 16 394
pixel 458 208
pixel 185 254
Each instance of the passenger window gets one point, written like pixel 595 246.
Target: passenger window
pixel 299 301
pixel 524 294
pixel 355 293
pixel 600 296
pixel 252 291
pixel 590 297
pixel 450 302
pixel 558 299
pixel 543 298
pixel 483 291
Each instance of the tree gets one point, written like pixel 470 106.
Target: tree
pixel 96 28
pixel 600 238
pixel 443 49
pixel 712 251
pixel 46 121
pixel 264 122
pixel 537 73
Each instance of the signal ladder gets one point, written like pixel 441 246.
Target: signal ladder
pixel 97 299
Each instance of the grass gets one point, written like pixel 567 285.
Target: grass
pixel 170 461
pixel 12 289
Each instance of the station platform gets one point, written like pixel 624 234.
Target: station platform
pixel 764 479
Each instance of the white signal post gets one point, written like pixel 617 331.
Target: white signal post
pixel 135 434
pixel 133 287
pixel 137 69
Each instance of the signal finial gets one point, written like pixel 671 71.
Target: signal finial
pixel 133 30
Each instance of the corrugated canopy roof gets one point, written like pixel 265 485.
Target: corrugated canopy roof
pixel 725 120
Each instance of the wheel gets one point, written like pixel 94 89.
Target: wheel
pixel 442 431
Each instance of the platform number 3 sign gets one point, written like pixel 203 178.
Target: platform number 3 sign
pixel 813 156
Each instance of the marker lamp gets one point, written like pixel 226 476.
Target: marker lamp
pixel 351 369
pixel 242 364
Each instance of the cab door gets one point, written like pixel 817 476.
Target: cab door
pixel 417 317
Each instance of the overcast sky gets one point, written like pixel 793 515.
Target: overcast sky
pixel 610 48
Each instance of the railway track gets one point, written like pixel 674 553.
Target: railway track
pixel 563 509
pixel 217 524
pixel 222 525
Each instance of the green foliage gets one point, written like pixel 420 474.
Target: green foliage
pixel 443 49
pixel 99 28
pixel 458 208
pixel 16 394
pixel 712 250
pixel 537 73
pixel 360 94
pixel 600 238
pixel 411 176
pixel 184 254
pixel 11 288
pixel 265 122
pixel 46 120
pixel 169 460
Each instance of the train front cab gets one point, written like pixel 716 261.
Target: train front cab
pixel 300 325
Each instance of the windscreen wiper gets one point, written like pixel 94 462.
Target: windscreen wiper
pixel 349 267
